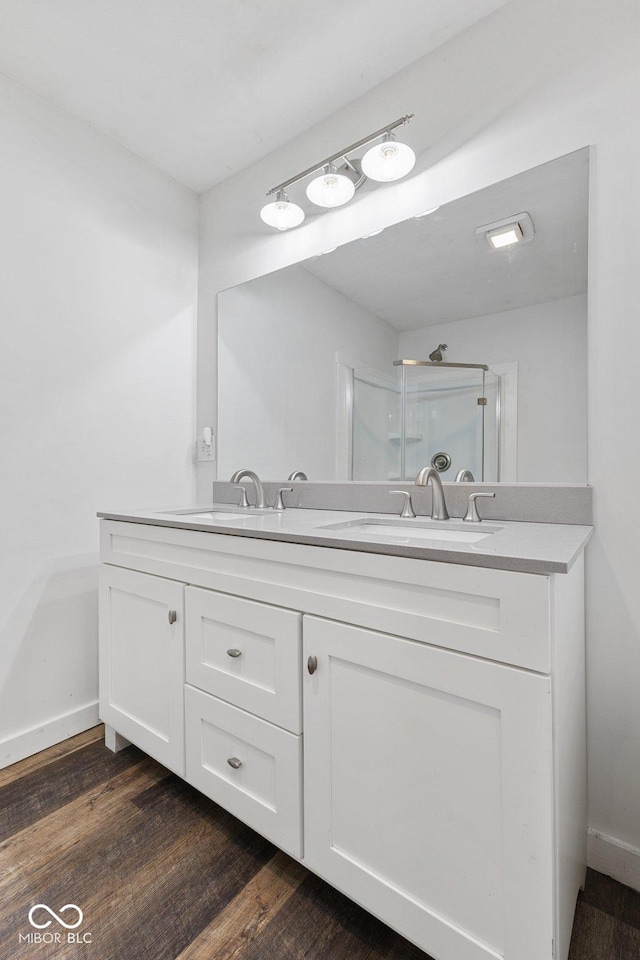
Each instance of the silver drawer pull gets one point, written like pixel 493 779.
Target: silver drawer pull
pixel 234 762
pixel 312 664
pixel 173 616
pixel 234 653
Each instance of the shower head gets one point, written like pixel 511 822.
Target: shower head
pixel 436 356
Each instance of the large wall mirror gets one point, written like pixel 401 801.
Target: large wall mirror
pixel 435 341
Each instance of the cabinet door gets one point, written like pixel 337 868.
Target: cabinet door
pixel 142 662
pixel 428 794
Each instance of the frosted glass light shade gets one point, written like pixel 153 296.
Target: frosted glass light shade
pixel 282 214
pixel 389 160
pixel 330 189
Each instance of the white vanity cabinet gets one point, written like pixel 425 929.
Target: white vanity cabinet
pixel 436 710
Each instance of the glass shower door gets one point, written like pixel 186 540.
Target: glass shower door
pixel 375 442
pixel 449 421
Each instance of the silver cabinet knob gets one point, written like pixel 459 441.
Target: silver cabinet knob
pixel 234 653
pixel 472 515
pixel 173 616
pixel 234 762
pixel 312 665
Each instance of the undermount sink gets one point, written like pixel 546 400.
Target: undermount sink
pixel 440 530
pixel 218 513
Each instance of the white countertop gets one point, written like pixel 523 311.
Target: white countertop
pixel 542 548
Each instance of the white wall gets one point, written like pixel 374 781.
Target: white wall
pixel 279 336
pixel 575 81
pixel 97 357
pixel 549 343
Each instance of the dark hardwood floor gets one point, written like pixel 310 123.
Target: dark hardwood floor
pixel 161 873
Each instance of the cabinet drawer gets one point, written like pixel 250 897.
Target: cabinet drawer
pixel 246 653
pixel 264 789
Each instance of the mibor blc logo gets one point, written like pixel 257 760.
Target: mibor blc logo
pixel 42 917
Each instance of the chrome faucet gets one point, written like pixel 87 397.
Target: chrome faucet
pixel 429 475
pixel 250 475
pixel 298 475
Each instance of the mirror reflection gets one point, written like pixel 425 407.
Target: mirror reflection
pixel 457 339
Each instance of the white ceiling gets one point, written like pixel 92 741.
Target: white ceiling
pixel 434 270
pixel 203 88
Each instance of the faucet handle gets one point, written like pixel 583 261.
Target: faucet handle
pixel 472 515
pixel 279 502
pixel 407 507
pixel 244 503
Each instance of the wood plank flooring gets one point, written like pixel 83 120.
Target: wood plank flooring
pixel 161 873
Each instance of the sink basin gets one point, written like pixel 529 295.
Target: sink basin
pixel 218 513
pixel 423 531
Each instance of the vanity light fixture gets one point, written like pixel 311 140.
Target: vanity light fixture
pixel 389 160
pixel 331 188
pixel 386 161
pixel 505 233
pixel 282 213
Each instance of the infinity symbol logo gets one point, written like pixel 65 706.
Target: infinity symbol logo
pixel 47 923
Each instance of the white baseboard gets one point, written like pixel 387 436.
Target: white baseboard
pixel 614 858
pixel 31 741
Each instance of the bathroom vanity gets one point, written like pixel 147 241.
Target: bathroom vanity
pixel 403 715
